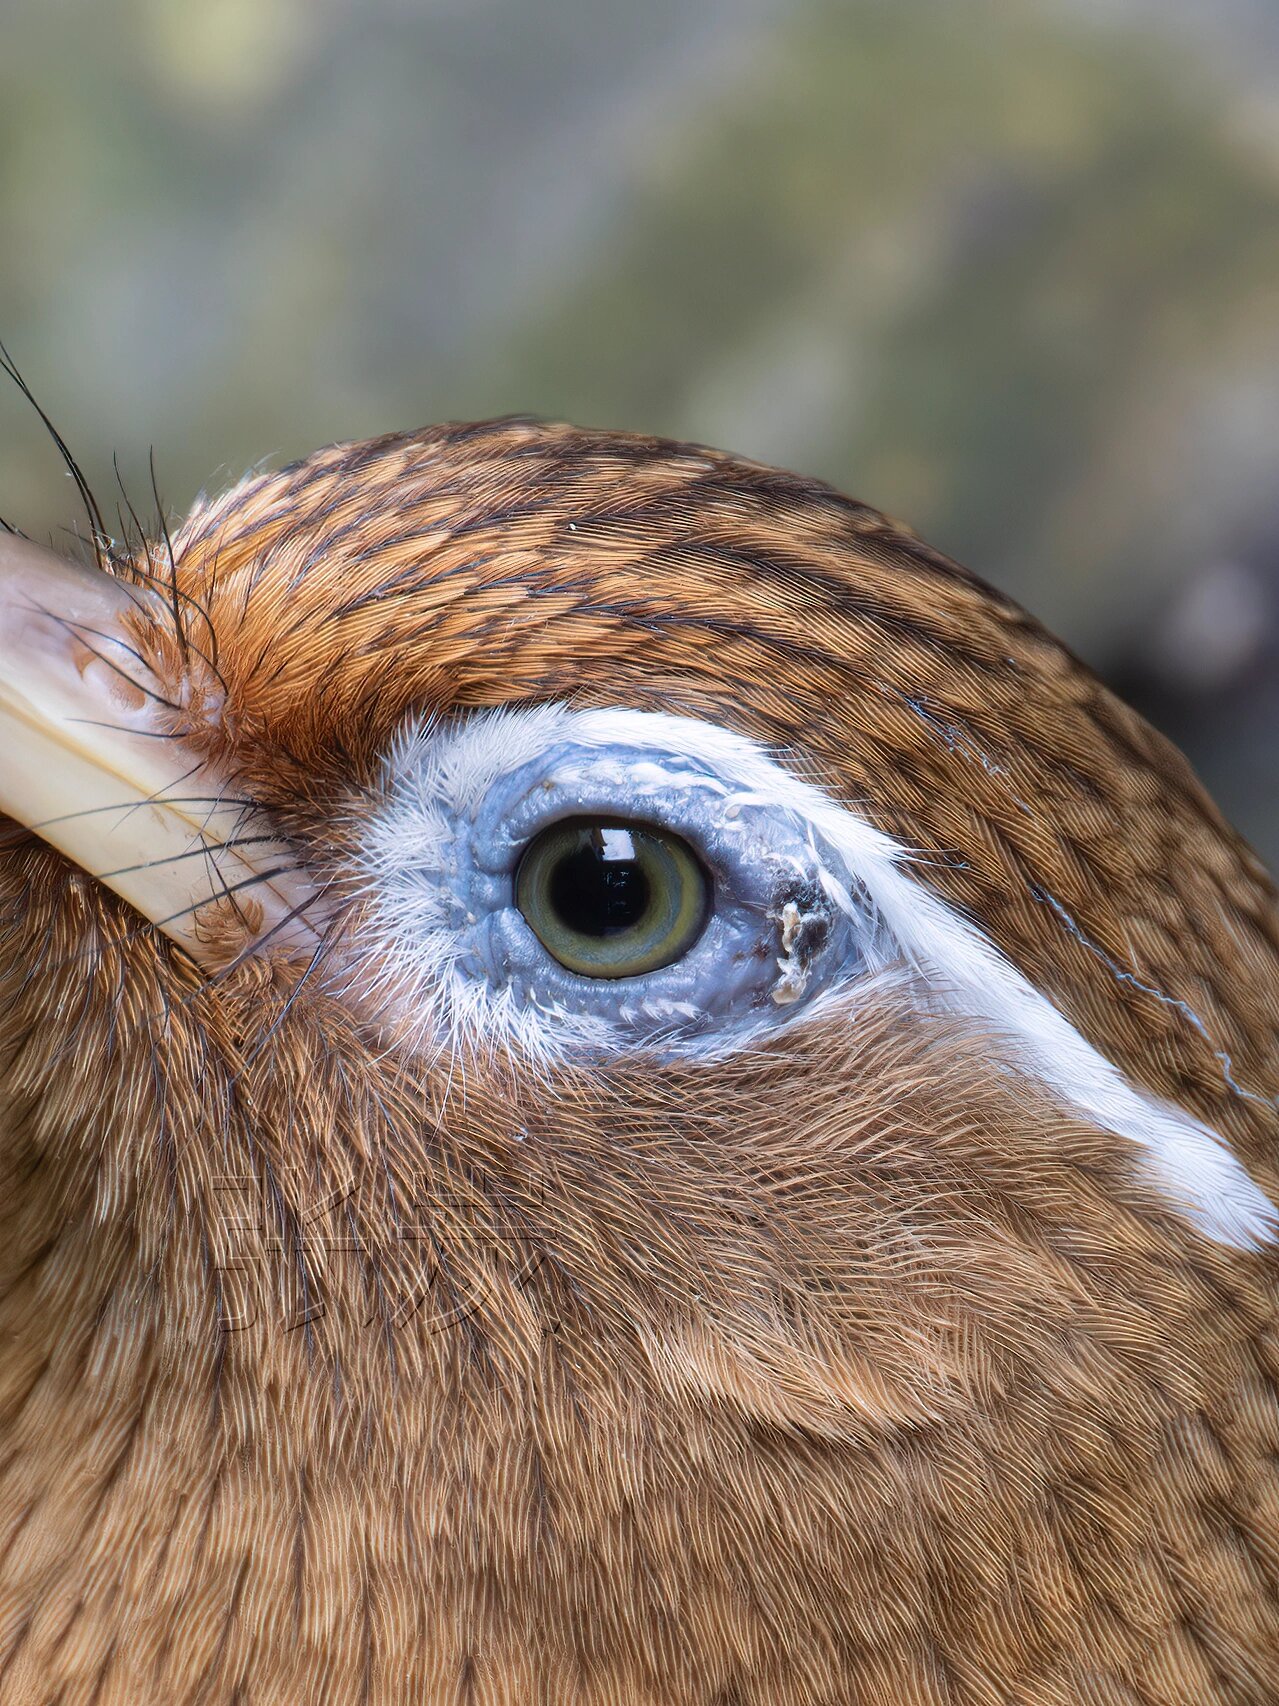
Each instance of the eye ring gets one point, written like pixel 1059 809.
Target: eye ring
pixel 611 897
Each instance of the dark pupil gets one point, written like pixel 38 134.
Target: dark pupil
pixel 599 889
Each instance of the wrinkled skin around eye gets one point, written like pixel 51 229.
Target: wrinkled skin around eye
pixel 780 930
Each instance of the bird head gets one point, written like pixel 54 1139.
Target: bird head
pixel 612 1060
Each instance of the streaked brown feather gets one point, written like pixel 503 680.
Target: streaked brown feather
pixel 846 1372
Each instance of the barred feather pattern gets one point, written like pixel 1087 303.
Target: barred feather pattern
pixel 843 1369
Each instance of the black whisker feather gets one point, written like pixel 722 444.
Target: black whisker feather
pixel 97 527
pixel 178 625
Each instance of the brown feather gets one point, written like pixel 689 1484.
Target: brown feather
pixel 841 1371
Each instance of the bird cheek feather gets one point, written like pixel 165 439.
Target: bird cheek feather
pixel 869 1231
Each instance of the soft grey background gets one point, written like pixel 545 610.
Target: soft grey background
pixel 1006 268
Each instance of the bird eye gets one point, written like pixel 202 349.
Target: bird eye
pixel 608 897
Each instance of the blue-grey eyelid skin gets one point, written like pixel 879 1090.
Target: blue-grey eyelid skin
pixel 776 935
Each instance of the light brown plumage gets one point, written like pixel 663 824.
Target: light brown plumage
pixel 844 1370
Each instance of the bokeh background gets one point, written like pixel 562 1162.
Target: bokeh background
pixel 1006 268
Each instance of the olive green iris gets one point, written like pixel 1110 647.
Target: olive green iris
pixel 608 897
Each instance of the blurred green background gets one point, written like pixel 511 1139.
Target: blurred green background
pixel 1006 268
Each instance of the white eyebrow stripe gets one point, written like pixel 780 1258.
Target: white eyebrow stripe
pixel 1191 1164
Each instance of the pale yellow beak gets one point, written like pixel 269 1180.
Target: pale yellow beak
pixel 89 761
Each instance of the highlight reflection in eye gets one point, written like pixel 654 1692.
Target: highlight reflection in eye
pixel 611 898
